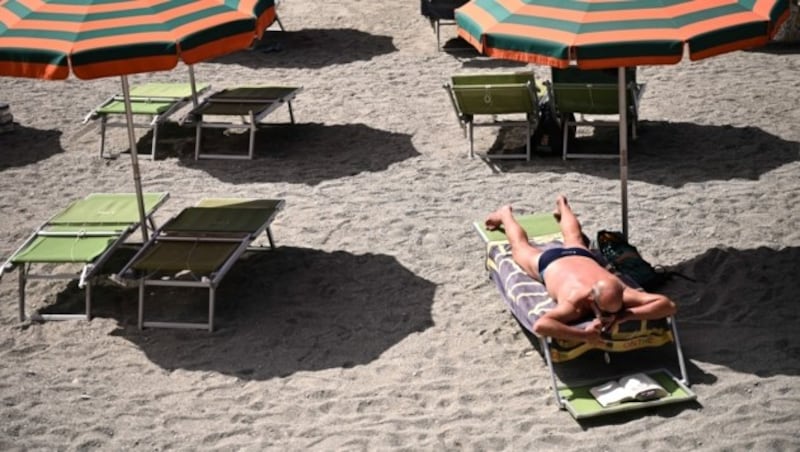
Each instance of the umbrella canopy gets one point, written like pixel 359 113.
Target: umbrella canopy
pixel 51 39
pixel 608 34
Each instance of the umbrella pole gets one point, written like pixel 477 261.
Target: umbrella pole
pixel 194 87
pixel 137 180
pixel 623 146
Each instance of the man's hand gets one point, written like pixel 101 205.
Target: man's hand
pixel 594 333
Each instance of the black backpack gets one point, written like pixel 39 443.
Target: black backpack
pixel 625 258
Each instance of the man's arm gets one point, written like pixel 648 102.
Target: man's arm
pixel 643 305
pixel 554 324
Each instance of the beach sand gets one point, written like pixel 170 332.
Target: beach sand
pixel 374 325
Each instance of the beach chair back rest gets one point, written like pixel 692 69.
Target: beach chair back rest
pixel 590 91
pixel 492 94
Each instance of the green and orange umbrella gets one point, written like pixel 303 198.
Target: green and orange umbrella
pixel 597 34
pixel 51 39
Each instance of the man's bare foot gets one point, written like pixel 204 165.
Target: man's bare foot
pixel 561 201
pixel 495 219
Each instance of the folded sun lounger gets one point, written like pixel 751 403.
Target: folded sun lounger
pixel 198 247
pixel 87 232
pixel 251 104
pixel 527 299
pixel 155 101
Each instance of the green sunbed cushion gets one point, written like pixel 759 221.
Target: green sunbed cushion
pixel 152 98
pixel 103 208
pixel 198 257
pixel 201 220
pixel 581 403
pixel 64 249
pixel 539 226
pixel 174 90
pixel 138 107
pixel 266 204
pixel 256 92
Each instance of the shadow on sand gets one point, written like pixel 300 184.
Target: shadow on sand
pixel 25 145
pixel 278 312
pixel 305 153
pixel 676 153
pixel 311 48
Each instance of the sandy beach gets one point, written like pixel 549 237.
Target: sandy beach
pixel 373 325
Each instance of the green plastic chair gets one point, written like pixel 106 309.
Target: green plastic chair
pixel 87 232
pixel 576 93
pixel 494 95
pixel 197 248
pixel 154 101
pixel 251 104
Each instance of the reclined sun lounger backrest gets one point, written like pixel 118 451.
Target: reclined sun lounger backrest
pixel 86 232
pixel 528 300
pixel 592 92
pixel 156 101
pixel 491 95
pixel 251 103
pixel 197 248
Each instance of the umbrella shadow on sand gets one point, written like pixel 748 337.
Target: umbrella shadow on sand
pixel 307 153
pixel 25 145
pixel 741 312
pixel 311 48
pixel 676 153
pixel 284 311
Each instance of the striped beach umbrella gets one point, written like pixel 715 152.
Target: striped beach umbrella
pixel 597 34
pixel 51 39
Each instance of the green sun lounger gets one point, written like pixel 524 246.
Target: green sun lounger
pixel 527 300
pixel 197 248
pixel 154 101
pixel 507 99
pixel 251 104
pixel 582 97
pixel 86 233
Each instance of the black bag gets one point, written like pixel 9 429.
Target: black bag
pixel 625 258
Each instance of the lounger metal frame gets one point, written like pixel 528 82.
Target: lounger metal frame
pixel 154 120
pixel 544 342
pixel 250 122
pixel 88 272
pixel 466 120
pixel 210 282
pixel 599 100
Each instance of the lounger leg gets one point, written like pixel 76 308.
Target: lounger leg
pixel 197 136
pixel 679 351
pixel 564 135
pixel 211 309
pixel 102 136
pixel 469 135
pixel 88 301
pixel 546 350
pixel 23 274
pixel 252 135
pixel 291 113
pixel 528 144
pixel 436 29
pixel 269 237
pixel 280 25
pixel 155 140
pixel 141 303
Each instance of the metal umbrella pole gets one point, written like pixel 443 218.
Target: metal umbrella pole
pixel 623 146
pixel 137 180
